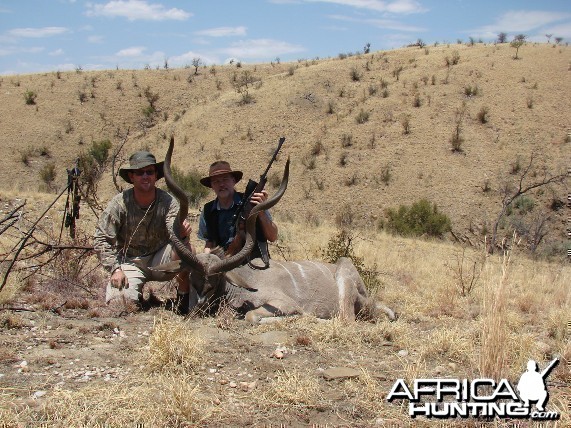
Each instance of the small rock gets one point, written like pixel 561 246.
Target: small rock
pixel 212 370
pixel 38 394
pixel 278 354
pixel 232 384
pixel 402 353
pixel 453 366
pixel 340 373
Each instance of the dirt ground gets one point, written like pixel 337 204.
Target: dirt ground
pixel 47 352
pixel 294 372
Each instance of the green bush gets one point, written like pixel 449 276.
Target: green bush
pixel 30 97
pixel 100 151
pixel 422 218
pixel 190 183
pixel 48 174
pixel 341 245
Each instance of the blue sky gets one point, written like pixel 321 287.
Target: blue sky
pixel 50 35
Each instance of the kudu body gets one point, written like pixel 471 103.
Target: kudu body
pixel 285 288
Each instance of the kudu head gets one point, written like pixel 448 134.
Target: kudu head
pixel 207 269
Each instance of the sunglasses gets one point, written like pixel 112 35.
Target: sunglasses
pixel 140 173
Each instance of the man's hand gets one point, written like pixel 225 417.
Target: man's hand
pixel 258 198
pixel 119 280
pixel 186 229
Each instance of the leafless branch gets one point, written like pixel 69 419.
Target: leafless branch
pixel 115 155
pixel 509 194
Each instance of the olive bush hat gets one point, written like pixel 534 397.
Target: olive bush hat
pixel 220 168
pixel 140 160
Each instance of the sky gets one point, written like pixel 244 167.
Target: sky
pixel 50 35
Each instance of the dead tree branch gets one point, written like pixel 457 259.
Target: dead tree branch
pixel 510 194
pixel 115 156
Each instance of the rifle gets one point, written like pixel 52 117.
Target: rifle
pixel 245 206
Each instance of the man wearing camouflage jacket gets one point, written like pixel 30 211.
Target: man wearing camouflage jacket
pixel 134 233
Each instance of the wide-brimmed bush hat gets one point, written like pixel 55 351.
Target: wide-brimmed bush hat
pixel 140 160
pixel 220 168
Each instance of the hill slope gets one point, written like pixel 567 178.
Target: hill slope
pixel 344 123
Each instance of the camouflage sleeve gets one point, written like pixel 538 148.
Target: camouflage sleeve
pixel 106 236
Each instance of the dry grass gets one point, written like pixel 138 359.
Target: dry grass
pixel 173 347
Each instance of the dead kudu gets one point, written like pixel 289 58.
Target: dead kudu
pixel 286 288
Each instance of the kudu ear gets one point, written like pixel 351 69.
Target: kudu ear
pixel 235 279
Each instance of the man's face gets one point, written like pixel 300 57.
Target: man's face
pixel 144 179
pixel 223 185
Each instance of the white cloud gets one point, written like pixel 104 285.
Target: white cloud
pixel 16 51
pixel 260 48
pixel 562 30
pixel 222 32
pixel 95 39
pixel 57 52
pixel 381 23
pixel 396 6
pixel 188 57
pixel 37 32
pixel 520 22
pixel 136 10
pixel 135 51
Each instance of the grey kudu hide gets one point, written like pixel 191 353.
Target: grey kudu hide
pixel 323 290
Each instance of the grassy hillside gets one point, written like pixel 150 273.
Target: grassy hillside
pixel 344 120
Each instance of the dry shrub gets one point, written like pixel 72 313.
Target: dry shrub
pixel 155 401
pixel 293 388
pixel 493 352
pixel 174 347
pixel 448 343
pixel 10 321
pixel 366 395
pixel 226 317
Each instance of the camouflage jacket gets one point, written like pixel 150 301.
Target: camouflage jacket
pixel 126 230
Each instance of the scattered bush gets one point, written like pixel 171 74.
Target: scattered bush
pixel 48 174
pixel 456 139
pixel 455 59
pixel 355 74
pixel 422 218
pixel 405 122
pixel 346 140
pixel 471 91
pixel 330 107
pixel 386 174
pixel 30 97
pixel 82 96
pixel 362 117
pixel 318 148
pixel 190 183
pixel 483 115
